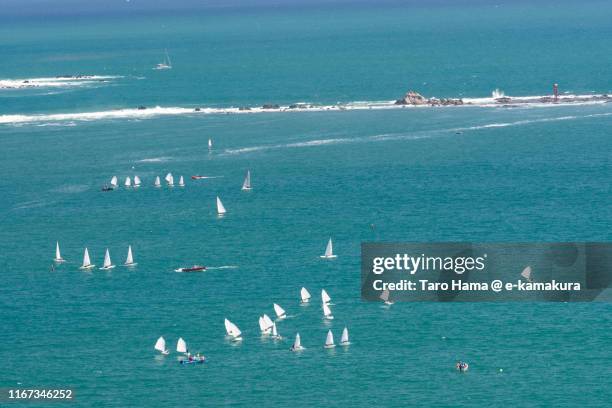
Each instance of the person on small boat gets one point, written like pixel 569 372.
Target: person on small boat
pixel 461 366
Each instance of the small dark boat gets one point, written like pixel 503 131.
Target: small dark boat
pixel 194 268
pixel 106 187
pixel 197 177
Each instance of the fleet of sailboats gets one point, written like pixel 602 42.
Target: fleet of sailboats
pixel 329 251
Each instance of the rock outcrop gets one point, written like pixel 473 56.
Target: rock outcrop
pixel 416 99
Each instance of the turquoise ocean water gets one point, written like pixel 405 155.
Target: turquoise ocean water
pixel 430 174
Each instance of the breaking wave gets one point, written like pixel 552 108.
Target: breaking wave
pixel 56 82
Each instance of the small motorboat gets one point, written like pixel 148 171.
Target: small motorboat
pixel 194 268
pixel 194 360
pixel 197 177
pixel 462 366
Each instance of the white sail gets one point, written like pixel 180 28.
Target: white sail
pixel 130 258
pixel 181 182
pixel 160 345
pixel 86 261
pixel 329 341
pixel 305 295
pixel 327 312
pixel 220 207
pixel 107 261
pixel 297 344
pixel 137 181
pixel 209 144
pixel 114 181
pixel 181 346
pixel 58 255
pixel 527 273
pixel 329 250
pixel 262 325
pixel 274 331
pixel 384 296
pixel 246 185
pixel 268 323
pixel 280 312
pixel 170 179
pixel 231 329
pixel 128 182
pixel 324 296
pixel 157 182
pixel 344 340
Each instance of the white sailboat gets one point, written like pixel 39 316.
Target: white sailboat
pixel 160 345
pixel 220 208
pixel 527 274
pixel 275 332
pixel 157 182
pixel 329 341
pixel 305 295
pixel 384 296
pixel 137 181
pixel 86 261
pixel 297 344
pixel 169 179
pixel 280 312
pixel 129 261
pixel 232 330
pixel 209 144
pixel 181 182
pixel 327 314
pixel 107 261
pixel 181 346
pixel 262 326
pixel 114 182
pixel 128 182
pixel 268 323
pixel 325 297
pixel 58 256
pixel 329 251
pixel 166 64
pixel 344 340
pixel 246 185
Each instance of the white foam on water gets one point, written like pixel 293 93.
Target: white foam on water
pixel 155 160
pixel 55 82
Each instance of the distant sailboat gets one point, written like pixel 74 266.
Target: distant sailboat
pixel 157 182
pixel 129 261
pixel 181 182
pixel 262 326
pixel 160 345
pixel 385 297
pixel 329 251
pixel 232 330
pixel 280 312
pixel 209 144
pixel 325 297
pixel 327 312
pixel 220 207
pixel 114 182
pixel 297 344
pixel 86 261
pixel 344 340
pixel 137 181
pixel 166 64
pixel 246 185
pixel 329 341
pixel 527 274
pixel 275 332
pixel 128 182
pixel 107 261
pixel 169 179
pixel 58 256
pixel 305 295
pixel 181 346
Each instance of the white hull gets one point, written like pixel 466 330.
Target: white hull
pixel 328 256
pixel 59 260
pixel 388 303
pixel 246 188
pixel 104 268
pixel 330 346
pixel 281 317
pixel 165 352
pixel 297 348
pixel 330 317
pixel 90 266
pixel 346 343
pixel 130 264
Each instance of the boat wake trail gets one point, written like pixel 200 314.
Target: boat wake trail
pixel 222 267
